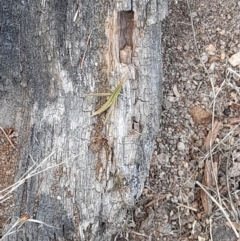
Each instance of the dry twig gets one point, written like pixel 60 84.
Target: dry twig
pixel 212 135
pixel 220 207
pixel 20 222
pixel 30 173
pixel 188 207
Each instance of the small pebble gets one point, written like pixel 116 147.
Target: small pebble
pixel 175 91
pixel 204 58
pixel 194 14
pixel 198 143
pixel 185 164
pixel 167 104
pixel 163 158
pixel 180 173
pixel 173 159
pixel 211 68
pixel 198 77
pixel 171 98
pixel 186 47
pixel 184 78
pixel 222 32
pixel 234 60
pixel 195 137
pixel 180 146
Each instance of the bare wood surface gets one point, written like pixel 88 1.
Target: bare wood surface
pixel 42 97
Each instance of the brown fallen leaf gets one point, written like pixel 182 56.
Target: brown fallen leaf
pixel 200 116
pixel 212 135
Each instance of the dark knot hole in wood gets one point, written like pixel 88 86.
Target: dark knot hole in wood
pixel 126 26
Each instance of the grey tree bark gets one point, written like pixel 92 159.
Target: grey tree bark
pixel 52 54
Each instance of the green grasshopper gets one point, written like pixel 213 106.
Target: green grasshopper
pixel 111 102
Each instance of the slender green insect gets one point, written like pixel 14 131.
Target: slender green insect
pixel 112 99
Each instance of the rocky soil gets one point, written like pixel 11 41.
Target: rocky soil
pixel 198 147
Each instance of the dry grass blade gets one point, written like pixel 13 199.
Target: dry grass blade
pixel 188 207
pixel 21 221
pixel 209 154
pixel 98 94
pixel 24 219
pixel 40 222
pixel 236 225
pixel 7 191
pixel 10 231
pixel 230 70
pixel 28 175
pixel 235 212
pixel 7 137
pixel 210 228
pixel 220 207
pixel 139 234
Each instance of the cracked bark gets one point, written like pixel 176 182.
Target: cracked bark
pixel 42 97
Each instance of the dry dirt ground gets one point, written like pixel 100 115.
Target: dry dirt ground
pixel 8 160
pixel 200 135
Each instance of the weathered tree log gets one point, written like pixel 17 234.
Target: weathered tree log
pixel 52 54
